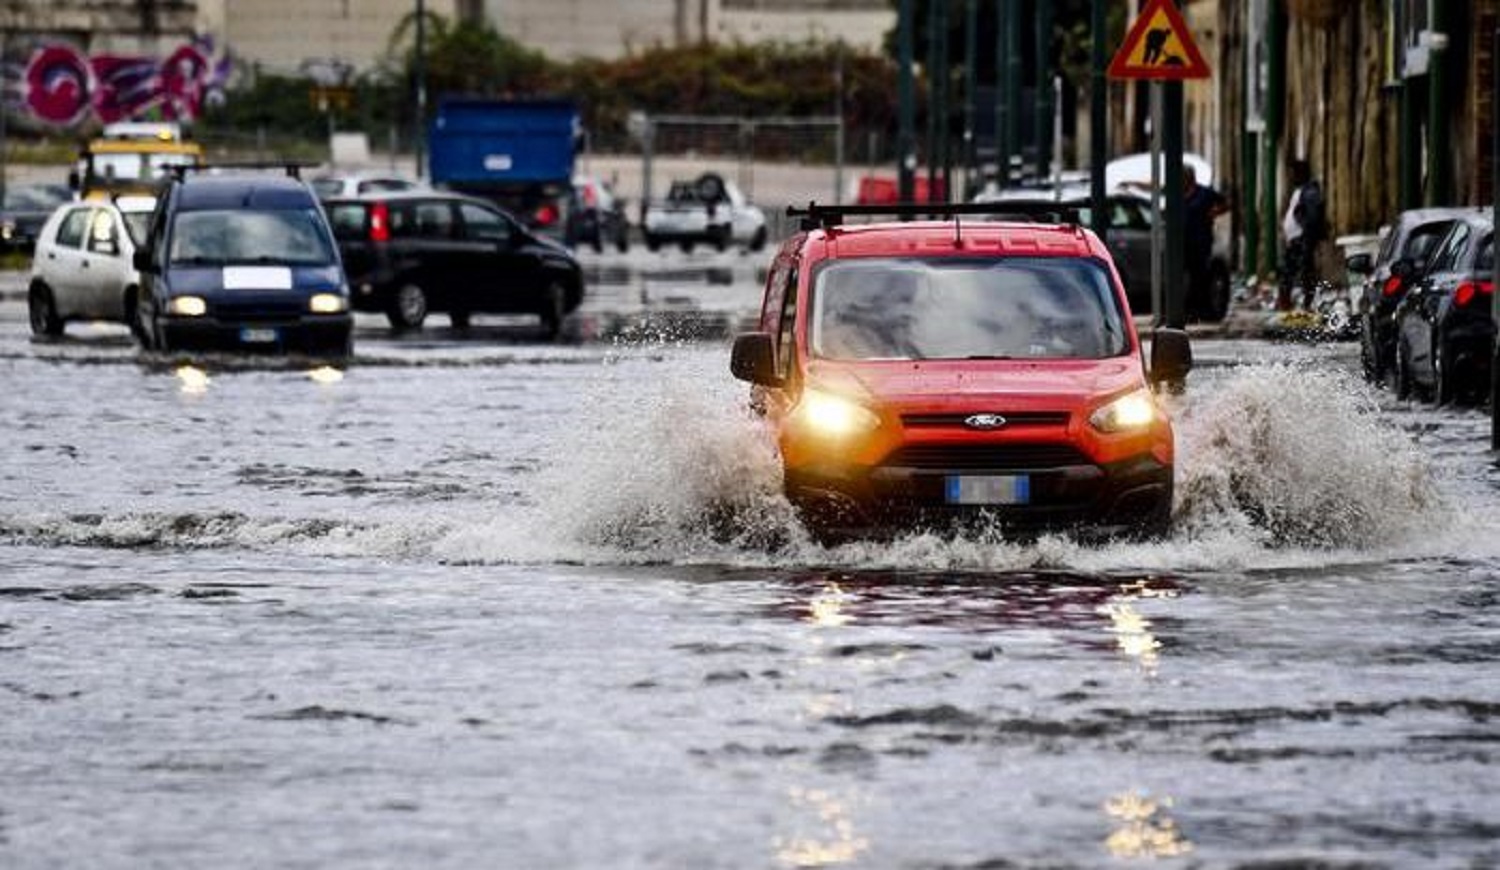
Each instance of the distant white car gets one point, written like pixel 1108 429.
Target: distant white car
pixel 356 183
pixel 82 268
pixel 710 209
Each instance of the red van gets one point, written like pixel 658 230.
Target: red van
pixel 918 373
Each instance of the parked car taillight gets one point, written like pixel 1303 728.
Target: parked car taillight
pixel 1392 286
pixel 545 216
pixel 380 223
pixel 1469 289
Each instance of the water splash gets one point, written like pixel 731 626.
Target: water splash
pixel 1298 457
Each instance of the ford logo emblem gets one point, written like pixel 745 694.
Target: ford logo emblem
pixel 984 421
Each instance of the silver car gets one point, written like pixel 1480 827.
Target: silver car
pixel 82 268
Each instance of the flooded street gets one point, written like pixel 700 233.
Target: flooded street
pixel 482 601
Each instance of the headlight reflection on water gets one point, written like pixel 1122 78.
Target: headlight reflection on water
pixel 192 380
pixel 325 375
pixel 840 844
pixel 1144 828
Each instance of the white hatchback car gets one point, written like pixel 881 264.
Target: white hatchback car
pixel 82 267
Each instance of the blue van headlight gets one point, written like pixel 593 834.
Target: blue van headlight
pixel 187 306
pixel 327 303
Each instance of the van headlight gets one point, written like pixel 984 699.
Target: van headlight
pixel 187 306
pixel 1135 410
pixel 327 303
pixel 834 416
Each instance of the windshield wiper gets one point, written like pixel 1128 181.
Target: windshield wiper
pixel 198 261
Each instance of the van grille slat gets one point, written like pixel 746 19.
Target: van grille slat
pixel 966 457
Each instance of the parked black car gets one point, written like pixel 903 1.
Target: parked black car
pixel 409 253
pixel 1445 333
pixel 1398 264
pixel 242 261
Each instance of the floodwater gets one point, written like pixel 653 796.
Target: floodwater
pixel 483 602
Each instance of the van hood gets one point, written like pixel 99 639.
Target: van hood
pixel 930 385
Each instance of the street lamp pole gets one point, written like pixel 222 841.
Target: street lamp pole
pixel 420 140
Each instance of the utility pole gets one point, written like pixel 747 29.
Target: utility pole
pixel 421 76
pixel 1098 118
pixel 1002 104
pixel 971 49
pixel 1439 160
pixel 1013 80
pixel 944 155
pixel 1042 133
pixel 906 116
pixel 934 100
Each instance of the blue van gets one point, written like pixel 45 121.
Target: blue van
pixel 242 262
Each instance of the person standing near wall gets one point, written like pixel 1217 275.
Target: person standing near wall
pixel 1305 226
pixel 1201 205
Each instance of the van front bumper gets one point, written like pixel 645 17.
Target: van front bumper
pixel 1132 497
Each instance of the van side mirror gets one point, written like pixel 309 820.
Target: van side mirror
pixel 754 359
pixel 1171 357
pixel 1403 268
pixel 142 260
pixel 1360 264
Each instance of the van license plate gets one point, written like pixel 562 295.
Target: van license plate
pixel 250 335
pixel 989 489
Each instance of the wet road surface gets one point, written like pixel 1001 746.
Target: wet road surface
pixel 480 601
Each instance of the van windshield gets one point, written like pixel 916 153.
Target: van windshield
pixel 292 237
pixel 959 308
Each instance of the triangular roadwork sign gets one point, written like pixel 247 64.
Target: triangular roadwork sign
pixel 1159 46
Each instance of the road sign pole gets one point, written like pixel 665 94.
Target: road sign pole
pixel 1172 143
pixel 1158 302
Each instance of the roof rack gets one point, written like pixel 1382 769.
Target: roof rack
pixel 293 168
pixel 816 216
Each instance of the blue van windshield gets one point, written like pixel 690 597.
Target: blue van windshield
pixel 291 237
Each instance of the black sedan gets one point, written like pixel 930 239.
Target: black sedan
pixel 1444 330
pixel 407 254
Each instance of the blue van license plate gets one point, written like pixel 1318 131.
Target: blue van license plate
pixel 253 335
pixel 988 489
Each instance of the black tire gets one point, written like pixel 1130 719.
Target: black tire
pixel 43 311
pixel 687 247
pixel 1402 372
pixel 1369 357
pixel 408 307
pixel 132 315
pixel 652 243
pixel 721 240
pixel 458 319
pixel 1445 386
pixel 554 309
pixel 758 241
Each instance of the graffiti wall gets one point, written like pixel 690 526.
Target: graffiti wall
pixel 54 84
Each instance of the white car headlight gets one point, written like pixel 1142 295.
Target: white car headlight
pixel 187 306
pixel 1135 410
pixel 835 416
pixel 327 303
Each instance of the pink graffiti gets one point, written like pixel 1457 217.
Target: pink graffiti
pixel 64 87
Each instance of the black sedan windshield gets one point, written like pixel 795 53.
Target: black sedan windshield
pixel 949 308
pixel 292 237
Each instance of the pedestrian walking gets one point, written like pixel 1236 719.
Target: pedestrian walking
pixel 1305 226
pixel 1201 205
